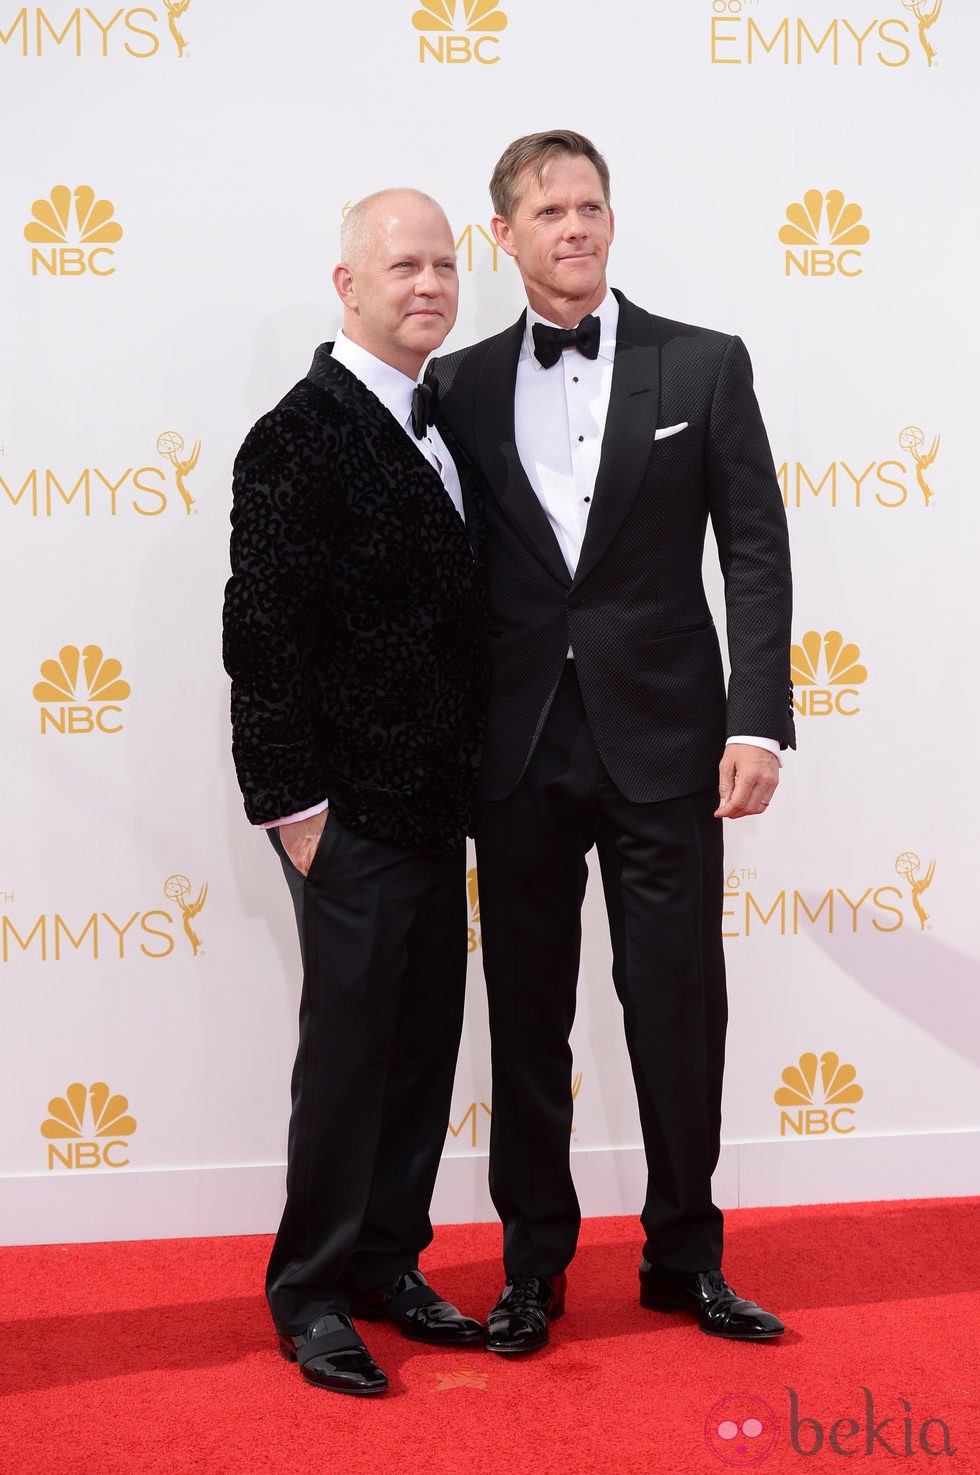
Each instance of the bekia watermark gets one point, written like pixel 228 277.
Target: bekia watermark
pixel 744 1430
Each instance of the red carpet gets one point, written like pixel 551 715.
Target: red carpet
pixel 124 1358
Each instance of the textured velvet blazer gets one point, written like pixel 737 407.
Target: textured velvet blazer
pixel 635 614
pixel 354 619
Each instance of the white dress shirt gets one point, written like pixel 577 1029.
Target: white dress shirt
pixel 559 421
pixel 394 390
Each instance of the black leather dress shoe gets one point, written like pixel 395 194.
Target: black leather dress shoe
pixel 709 1296
pixel 332 1355
pixel 519 1321
pixel 417 1311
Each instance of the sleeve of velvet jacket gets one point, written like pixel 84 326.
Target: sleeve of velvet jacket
pixel 280 565
pixel 749 522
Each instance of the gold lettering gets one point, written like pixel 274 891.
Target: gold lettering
pixel 60 925
pixel 120 931
pixel 139 31
pixel 75 19
pixel 781 30
pixel 39 926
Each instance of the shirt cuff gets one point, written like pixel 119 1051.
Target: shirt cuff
pixel 756 742
pixel 289 819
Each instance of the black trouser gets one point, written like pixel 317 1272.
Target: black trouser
pixel 383 939
pixel 662 875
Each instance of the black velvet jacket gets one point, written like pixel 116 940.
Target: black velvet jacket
pixel 354 619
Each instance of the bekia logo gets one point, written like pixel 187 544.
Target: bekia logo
pixel 110 1123
pixel 752 32
pixel 819 1109
pixel 829 220
pixel 135 33
pixel 448 25
pixel 89 226
pixel 743 1430
pixel 830 686
pixel 84 688
pixel 886 483
pixel 93 492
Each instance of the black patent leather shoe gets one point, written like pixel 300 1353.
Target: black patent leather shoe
pixel 417 1311
pixel 332 1355
pixel 708 1295
pixel 519 1321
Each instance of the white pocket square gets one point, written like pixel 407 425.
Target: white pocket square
pixel 669 430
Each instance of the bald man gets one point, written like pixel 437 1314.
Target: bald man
pixel 354 636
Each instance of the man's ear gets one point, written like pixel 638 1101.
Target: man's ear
pixel 344 283
pixel 503 235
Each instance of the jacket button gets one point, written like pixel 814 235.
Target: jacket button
pixel 574 601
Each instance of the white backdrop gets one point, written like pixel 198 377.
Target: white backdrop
pixel 801 172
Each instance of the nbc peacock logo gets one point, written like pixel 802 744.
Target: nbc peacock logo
pixel 459 30
pixel 80 692
pixel 818 1106
pixel 829 230
pixel 88 1127
pixel 826 672
pixel 475 936
pixel 72 233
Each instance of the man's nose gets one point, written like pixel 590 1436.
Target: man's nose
pixel 427 282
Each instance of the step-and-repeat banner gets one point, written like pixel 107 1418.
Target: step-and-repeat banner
pixel 799 172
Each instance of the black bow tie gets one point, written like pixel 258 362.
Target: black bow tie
pixel 424 399
pixel 549 342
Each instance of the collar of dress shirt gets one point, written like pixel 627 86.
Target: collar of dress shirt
pixel 608 314
pixel 390 386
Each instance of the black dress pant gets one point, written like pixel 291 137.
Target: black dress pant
pixel 662 876
pixel 383 940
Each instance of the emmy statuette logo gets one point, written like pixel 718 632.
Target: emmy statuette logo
pixel 829 230
pixel 447 27
pixel 78 231
pixel 907 865
pixel 170 445
pixel 912 439
pixel 177 889
pixel 888 483
pixel 820 1108
pixel 70 1141
pixel 747 33
pixel 84 688
pixel 926 16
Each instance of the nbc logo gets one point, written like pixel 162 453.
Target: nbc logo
pixel 447 26
pixel 89 225
pixel 475 937
pixel 818 1110
pixel 82 674
pixel 843 673
pixel 110 1119
pixel 828 219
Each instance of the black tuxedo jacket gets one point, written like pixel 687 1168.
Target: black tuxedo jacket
pixel 635 613
pixel 354 619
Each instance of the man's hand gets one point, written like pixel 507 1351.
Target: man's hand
pixel 747 780
pixel 301 838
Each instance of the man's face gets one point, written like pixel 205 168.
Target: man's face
pixel 560 234
pixel 401 297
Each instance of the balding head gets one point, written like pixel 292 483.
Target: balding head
pixel 397 277
pixel 372 216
